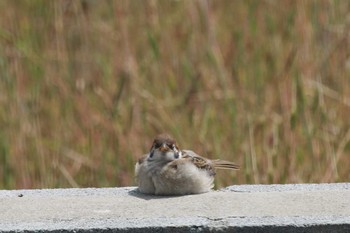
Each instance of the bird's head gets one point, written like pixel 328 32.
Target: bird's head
pixel 164 148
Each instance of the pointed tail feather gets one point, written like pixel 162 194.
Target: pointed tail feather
pixel 222 164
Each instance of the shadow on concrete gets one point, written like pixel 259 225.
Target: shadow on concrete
pixel 136 193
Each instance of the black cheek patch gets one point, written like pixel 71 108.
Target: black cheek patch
pixel 177 155
pixel 151 154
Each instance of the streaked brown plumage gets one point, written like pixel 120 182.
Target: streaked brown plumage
pixel 207 164
pixel 166 170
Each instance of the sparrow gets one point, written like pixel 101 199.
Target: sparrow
pixel 167 170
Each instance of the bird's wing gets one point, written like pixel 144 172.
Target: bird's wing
pixel 204 163
pixel 142 159
pixel 199 161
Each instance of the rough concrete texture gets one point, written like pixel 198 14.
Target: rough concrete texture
pixel 241 208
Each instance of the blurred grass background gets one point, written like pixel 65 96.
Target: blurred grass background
pixel 86 85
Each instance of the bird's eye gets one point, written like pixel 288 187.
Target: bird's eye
pixel 171 146
pixel 157 145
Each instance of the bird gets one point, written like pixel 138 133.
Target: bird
pixel 167 170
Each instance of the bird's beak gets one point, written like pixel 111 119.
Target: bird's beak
pixel 163 148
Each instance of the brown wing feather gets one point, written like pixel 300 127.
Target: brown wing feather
pixel 207 164
pixel 142 159
pixel 200 162
pixel 223 164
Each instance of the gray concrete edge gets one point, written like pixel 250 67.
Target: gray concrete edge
pixel 333 223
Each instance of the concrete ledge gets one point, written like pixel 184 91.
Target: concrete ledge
pixel 241 208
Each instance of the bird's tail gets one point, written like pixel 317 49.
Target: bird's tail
pixel 222 164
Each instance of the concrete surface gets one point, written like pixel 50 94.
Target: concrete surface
pixel 241 208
